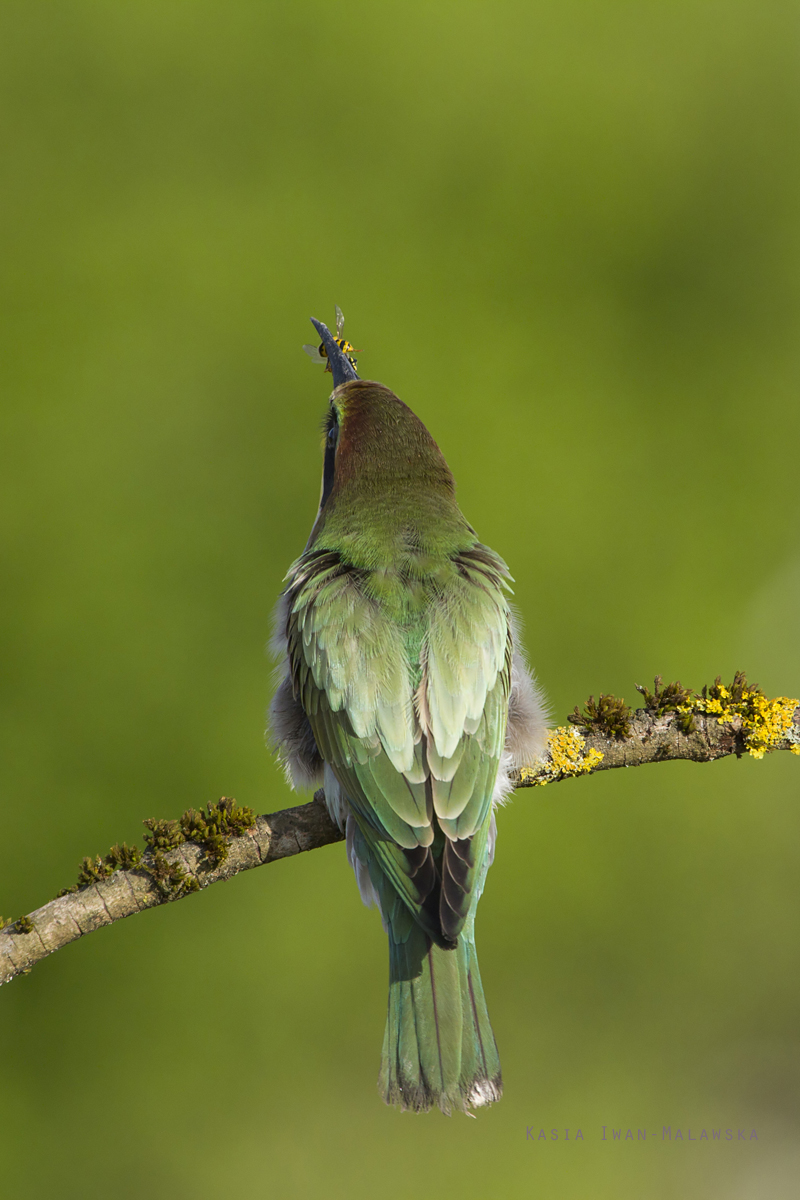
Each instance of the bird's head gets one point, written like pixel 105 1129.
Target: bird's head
pixel 380 461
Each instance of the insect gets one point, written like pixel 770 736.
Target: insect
pixel 319 354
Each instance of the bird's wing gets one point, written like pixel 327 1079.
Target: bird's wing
pixel 401 757
pixel 463 704
pixel 350 669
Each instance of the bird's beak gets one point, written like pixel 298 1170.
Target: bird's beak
pixel 341 367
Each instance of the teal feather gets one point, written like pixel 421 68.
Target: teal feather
pixel 438 1047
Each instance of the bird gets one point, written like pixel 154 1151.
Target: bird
pixel 405 693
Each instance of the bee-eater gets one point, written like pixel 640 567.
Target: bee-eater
pixel 405 694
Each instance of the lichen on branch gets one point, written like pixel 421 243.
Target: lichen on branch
pixel 764 722
pixel 567 754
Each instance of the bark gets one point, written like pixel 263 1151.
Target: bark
pixel 308 826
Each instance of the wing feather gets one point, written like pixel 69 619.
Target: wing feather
pixel 418 766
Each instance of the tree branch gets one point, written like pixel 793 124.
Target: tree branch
pixel 164 876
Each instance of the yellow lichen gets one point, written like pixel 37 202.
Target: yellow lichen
pixel 566 755
pixel 769 724
pixel 764 722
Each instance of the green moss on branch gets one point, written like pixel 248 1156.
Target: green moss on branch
pixel 211 830
pixel 607 716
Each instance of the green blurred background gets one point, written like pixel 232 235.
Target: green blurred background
pixel 568 235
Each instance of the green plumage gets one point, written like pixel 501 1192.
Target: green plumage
pixel 438 1047
pixel 399 648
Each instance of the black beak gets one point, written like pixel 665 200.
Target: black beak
pixel 341 367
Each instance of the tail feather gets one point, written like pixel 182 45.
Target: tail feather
pixel 438 1048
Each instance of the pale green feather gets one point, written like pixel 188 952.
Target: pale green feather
pixel 465 651
pixel 407 766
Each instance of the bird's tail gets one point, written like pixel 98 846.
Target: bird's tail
pixel 438 1047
